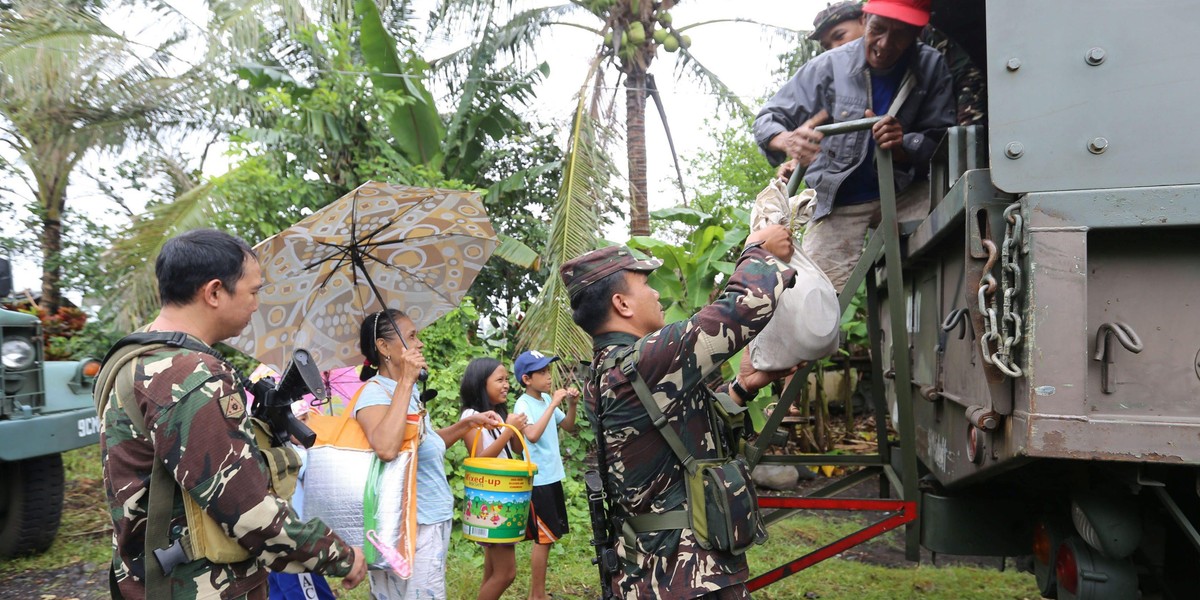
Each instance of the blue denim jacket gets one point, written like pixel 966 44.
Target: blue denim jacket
pixel 837 81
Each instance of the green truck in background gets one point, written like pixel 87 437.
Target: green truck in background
pixel 45 409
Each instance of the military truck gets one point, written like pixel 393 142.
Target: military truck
pixel 45 409
pixel 1037 336
pixel 1047 319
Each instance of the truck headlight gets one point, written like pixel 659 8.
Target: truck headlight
pixel 17 353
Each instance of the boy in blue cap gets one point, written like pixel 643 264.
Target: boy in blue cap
pixel 548 507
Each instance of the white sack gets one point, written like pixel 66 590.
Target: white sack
pixel 805 324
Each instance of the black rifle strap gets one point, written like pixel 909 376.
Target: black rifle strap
pixel 174 339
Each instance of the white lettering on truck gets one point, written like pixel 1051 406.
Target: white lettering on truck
pixel 89 426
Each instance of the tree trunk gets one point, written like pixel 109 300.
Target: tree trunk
pixel 52 195
pixel 635 143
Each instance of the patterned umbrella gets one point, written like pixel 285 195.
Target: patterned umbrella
pixel 415 249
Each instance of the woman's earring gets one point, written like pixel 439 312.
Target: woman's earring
pixel 387 358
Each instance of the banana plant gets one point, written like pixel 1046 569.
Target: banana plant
pixel 314 103
pixel 693 273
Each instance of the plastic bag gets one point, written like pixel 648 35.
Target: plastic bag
pixel 336 472
pixel 805 324
pixel 389 504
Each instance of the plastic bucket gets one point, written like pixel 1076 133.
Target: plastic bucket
pixel 496 496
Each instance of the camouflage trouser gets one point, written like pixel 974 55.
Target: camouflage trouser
pixel 836 241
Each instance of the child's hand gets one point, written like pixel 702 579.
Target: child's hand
pixel 518 420
pixel 557 398
pixel 572 396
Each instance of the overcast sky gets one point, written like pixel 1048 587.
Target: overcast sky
pixel 743 55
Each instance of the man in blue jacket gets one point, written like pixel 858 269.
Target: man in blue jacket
pixel 866 77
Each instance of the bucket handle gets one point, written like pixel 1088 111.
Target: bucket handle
pixel 516 432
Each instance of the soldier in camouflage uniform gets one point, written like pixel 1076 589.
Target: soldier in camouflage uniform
pixel 613 303
pixel 195 412
pixel 970 84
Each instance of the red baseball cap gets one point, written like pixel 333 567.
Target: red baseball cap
pixel 913 12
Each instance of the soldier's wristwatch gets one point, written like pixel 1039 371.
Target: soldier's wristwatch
pixel 742 392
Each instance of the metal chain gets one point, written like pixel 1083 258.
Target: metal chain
pixel 1011 281
pixel 987 289
pixel 1002 328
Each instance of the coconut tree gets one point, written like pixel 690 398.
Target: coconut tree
pixel 69 86
pixel 629 35
pixel 318 107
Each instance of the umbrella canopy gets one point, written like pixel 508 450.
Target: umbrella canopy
pixel 341 384
pixel 414 249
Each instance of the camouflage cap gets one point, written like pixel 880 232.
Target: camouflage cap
pixel 832 15
pixel 586 269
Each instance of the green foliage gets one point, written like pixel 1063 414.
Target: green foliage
pixel 451 343
pixel 693 272
pixel 412 116
pixel 522 180
pixel 574 229
pixel 70 86
pixel 733 173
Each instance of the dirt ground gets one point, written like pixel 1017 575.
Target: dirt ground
pixel 79 581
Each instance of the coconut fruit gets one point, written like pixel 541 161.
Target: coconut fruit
pixel 637 33
pixel 671 44
pixel 664 18
pixel 661 35
pixel 686 41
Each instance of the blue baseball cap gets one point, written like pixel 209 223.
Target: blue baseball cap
pixel 531 361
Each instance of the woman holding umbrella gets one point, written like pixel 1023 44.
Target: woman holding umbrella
pixel 393 361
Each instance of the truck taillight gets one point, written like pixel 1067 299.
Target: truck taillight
pixel 91 368
pixel 1066 569
pixel 1041 544
pixel 1084 573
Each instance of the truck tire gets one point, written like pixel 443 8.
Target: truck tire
pixel 31 499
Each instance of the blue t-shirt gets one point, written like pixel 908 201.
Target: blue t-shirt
pixel 435 503
pixel 862 184
pixel 544 452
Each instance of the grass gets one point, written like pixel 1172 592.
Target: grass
pixel 84 537
pixel 86 529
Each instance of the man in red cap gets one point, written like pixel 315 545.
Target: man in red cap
pixel 886 72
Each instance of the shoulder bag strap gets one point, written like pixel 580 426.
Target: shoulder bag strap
pixel 628 362
pixel 119 370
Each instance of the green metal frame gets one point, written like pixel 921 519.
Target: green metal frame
pixel 883 242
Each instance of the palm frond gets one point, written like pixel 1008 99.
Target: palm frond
pixel 688 64
pixel 573 230
pixel 132 256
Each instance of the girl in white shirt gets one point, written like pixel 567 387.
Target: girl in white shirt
pixel 485 388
